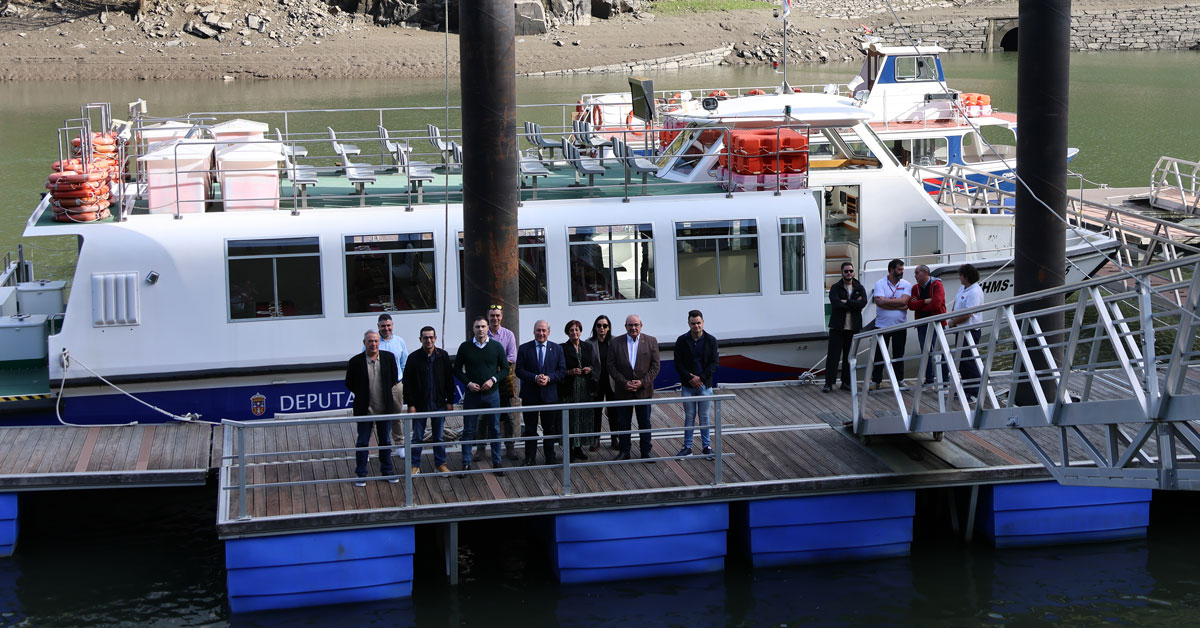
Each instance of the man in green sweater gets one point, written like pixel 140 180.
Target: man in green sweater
pixel 479 365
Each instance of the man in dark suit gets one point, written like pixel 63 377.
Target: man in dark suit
pixel 428 387
pixel 633 364
pixel 370 377
pixel 541 365
pixel 847 298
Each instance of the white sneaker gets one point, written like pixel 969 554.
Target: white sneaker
pixel 398 452
pixel 360 483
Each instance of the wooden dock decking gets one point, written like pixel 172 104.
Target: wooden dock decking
pixel 61 457
pixel 780 440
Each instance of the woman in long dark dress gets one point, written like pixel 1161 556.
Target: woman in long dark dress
pixel 602 385
pixel 576 387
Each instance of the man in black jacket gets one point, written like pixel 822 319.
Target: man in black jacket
pixel 847 298
pixel 428 387
pixel 696 357
pixel 370 376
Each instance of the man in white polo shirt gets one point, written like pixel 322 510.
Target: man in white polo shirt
pixel 891 295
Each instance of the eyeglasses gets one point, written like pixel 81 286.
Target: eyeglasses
pixel 601 325
pixel 428 337
pixel 495 307
pixel 848 270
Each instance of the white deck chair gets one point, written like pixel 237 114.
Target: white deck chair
pixel 590 167
pixel 418 173
pixel 534 135
pixel 439 143
pixel 339 147
pixel 634 163
pixel 534 169
pixel 300 176
pixel 292 150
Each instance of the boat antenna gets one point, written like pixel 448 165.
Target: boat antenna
pixel 784 88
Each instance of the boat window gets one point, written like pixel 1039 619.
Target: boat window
pixel 611 262
pixel 274 278
pixel 932 151
pixel 716 257
pixel 923 68
pixel 843 149
pixel 791 254
pixel 390 272
pixel 531 268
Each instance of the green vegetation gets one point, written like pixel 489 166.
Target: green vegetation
pixel 687 7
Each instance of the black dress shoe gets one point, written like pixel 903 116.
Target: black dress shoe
pixel 826 388
pixel 845 387
pixel 500 473
pixel 649 457
pixel 624 455
pixel 529 461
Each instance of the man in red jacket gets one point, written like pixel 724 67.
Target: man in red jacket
pixel 928 299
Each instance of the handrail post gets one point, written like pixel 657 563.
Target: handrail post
pixel 241 445
pixel 409 463
pixel 719 465
pixel 565 431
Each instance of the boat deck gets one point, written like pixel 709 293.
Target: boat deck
pixel 391 189
pixel 58 458
pixel 783 439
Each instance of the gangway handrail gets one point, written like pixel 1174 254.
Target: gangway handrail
pixel 1155 398
pixel 1167 175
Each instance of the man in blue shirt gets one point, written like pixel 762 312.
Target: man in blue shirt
pixel 388 341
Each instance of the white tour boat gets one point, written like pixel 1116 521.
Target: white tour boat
pixel 240 263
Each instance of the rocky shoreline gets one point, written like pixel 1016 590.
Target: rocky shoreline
pixel 214 39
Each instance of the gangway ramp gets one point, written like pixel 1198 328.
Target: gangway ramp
pixel 1126 392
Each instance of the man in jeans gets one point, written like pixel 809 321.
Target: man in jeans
pixel 428 387
pixel 891 296
pixel 479 364
pixel 696 362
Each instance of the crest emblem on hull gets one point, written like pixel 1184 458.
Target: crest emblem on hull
pixel 258 404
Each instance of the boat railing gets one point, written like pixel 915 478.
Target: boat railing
pixel 1143 239
pixel 429 163
pixel 1175 184
pixel 253 461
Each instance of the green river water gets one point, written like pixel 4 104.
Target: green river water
pixel 151 557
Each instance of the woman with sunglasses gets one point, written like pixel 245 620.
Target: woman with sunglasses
pixel 602 390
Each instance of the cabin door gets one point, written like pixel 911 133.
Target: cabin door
pixel 923 242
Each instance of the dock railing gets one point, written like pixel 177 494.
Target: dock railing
pixel 238 459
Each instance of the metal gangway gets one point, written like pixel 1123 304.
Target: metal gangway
pixel 1175 185
pixel 1117 379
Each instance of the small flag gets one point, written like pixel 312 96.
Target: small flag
pixel 787 8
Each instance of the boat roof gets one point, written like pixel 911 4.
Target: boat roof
pixel 893 51
pixel 814 109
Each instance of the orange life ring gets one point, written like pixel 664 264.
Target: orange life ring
pixel 597 115
pixel 97 140
pixel 66 203
pixel 75 177
pixel 797 90
pixel 629 125
pixel 718 93
pixel 101 191
pixel 676 99
pixel 756 92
